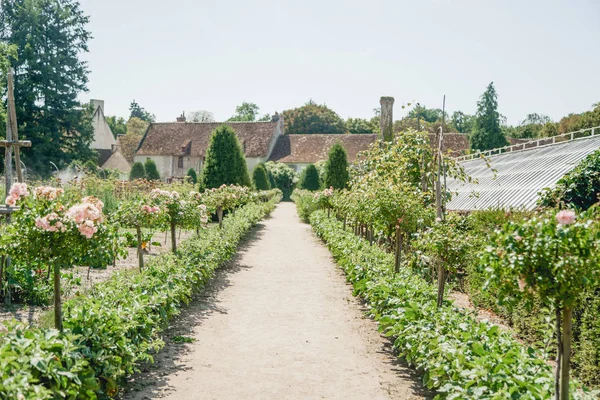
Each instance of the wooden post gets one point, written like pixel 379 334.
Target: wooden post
pixel 11 116
pixel 57 300
pixel 173 238
pixel 220 216
pixel 140 251
pixel 558 352
pixel 398 254
pixel 441 283
pixel 565 368
pixel 438 181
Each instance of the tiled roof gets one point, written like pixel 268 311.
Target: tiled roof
pixel 173 138
pixel 117 161
pixel 313 148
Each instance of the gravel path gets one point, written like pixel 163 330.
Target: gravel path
pixel 280 322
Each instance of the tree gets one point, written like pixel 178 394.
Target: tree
pixel 137 111
pixel 136 126
pixel 312 118
pixel 336 169
pixel 245 112
pixel 360 125
pixel 461 122
pixel 117 125
pixel 192 176
pixel 281 176
pixel 309 179
pixel 137 171
pixel 488 132
pixel 49 76
pixel 260 178
pixel 225 162
pixel 200 116
pixel 423 113
pixel 151 170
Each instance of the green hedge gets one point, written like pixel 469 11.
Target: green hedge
pixel 305 203
pixel 118 323
pixel 458 356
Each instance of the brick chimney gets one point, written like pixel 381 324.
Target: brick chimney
pixel 275 117
pixel 97 104
pixel 387 118
pixel 181 118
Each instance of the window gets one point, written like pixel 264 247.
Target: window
pixel 180 162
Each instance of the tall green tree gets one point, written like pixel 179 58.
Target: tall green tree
pixel 260 178
pixel 49 35
pixel 313 118
pixel 359 125
pixel 192 176
pixel 461 122
pixel 137 111
pixel 488 131
pixel 336 168
pixel 245 112
pixel 423 113
pixel 225 162
pixel 309 179
pixel 117 125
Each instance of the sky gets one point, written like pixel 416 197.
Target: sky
pixel 184 55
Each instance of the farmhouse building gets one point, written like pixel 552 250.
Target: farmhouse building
pixel 178 146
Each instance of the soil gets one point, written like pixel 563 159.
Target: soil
pixel 278 322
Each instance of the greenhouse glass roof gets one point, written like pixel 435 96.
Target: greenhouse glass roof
pixel 514 179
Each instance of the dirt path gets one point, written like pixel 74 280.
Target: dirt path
pixel 278 323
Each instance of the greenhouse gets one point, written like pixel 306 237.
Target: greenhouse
pixel 512 177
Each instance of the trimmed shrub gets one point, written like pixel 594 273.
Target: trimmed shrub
pixel 336 168
pixel 283 177
pixel 151 170
pixel 260 179
pixel 225 161
pixel 309 179
pixel 137 171
pixel 193 177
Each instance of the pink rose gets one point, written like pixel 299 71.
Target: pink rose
pixel 11 201
pixel 566 217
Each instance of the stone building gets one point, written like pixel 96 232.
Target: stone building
pixel 178 146
pixel 104 140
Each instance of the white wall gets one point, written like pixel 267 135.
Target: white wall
pixel 103 137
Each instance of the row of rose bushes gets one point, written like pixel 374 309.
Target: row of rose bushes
pixel 458 356
pixel 118 324
pixel 568 275
pixel 60 228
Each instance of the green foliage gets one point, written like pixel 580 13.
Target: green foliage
pixel 462 123
pixel 245 112
pixel 136 126
pixel 305 202
pixel 491 364
pixel 50 77
pixel 309 179
pixel 118 125
pixel 137 171
pixel 360 125
pixel 193 177
pixel 260 178
pixel 7 51
pixel 488 132
pixel 282 177
pixel 151 170
pixel 200 116
pixel 575 122
pixel 312 118
pixel 102 343
pixel 580 187
pixel 137 111
pixel 336 169
pixel 225 163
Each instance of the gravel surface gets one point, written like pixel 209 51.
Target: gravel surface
pixel 279 322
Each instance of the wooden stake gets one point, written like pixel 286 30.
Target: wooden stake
pixel 140 251
pixel 12 117
pixel 565 368
pixel 57 300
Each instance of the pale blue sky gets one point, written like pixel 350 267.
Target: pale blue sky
pixel 176 55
